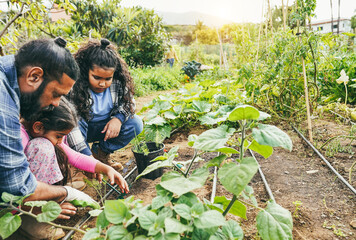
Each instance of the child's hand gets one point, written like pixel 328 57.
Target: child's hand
pixel 112 128
pixel 117 178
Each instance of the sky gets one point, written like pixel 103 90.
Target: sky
pixel 240 10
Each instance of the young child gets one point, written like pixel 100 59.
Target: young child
pixel 48 156
pixel 103 97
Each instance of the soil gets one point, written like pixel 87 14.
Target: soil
pixel 326 208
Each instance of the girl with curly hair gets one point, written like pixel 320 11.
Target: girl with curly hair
pixel 103 96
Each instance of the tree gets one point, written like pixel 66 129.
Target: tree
pixel 353 22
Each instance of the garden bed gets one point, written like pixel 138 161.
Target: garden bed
pixel 322 207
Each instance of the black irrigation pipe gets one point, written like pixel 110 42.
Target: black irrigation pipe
pixel 268 189
pixel 87 215
pixel 345 119
pixel 326 161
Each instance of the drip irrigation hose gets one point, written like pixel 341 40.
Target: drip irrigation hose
pixel 326 161
pixel 87 216
pixel 268 189
pixel 214 185
pixel 345 119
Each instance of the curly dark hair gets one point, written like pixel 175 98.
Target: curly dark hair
pixel 102 54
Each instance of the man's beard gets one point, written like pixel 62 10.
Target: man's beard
pixel 30 103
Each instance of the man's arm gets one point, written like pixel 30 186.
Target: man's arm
pixel 48 192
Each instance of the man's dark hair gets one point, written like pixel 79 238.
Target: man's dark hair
pixel 52 57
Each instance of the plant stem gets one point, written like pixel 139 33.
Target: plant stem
pixel 191 163
pixel 50 223
pixel 329 140
pixel 346 92
pixel 230 205
pixel 243 125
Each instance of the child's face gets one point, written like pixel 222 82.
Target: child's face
pixel 100 78
pixel 56 137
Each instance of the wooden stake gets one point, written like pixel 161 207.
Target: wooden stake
pixel 306 92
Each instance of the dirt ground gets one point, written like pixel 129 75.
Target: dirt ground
pixel 321 205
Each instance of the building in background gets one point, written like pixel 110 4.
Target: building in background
pixel 325 26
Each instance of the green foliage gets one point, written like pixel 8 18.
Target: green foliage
pixel 148 80
pixel 191 69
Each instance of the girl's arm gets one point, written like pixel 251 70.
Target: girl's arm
pixel 78 160
pixel 90 164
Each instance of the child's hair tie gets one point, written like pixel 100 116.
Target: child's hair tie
pixel 104 42
pixel 60 42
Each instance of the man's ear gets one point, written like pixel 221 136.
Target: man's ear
pixel 38 128
pixel 34 77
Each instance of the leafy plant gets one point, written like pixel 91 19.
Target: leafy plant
pixel 191 69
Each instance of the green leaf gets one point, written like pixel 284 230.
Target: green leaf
pixel 213 139
pixel 265 150
pixel 156 121
pixel 82 203
pixel 244 112
pixel 178 184
pixel 35 203
pixel 50 211
pixel 9 224
pixel 272 136
pixel 197 209
pixel 233 230
pixel 237 209
pixel 263 116
pixel 191 139
pixel 167 236
pixel 101 220
pixel 188 199
pixel 147 219
pixel 157 133
pixel 216 161
pixel 163 197
pixel 166 212
pixel 7 197
pixel 200 234
pixel 116 211
pixel 275 222
pixel 211 119
pixel 92 234
pixel 118 232
pixel 174 226
pixel 154 166
pixel 235 177
pixel 209 219
pixel 201 106
pixel 183 210
pixel 170 115
pixel 95 212
pixel 227 150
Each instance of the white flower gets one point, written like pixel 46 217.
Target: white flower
pixel 343 78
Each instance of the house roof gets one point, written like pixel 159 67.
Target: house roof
pixel 328 21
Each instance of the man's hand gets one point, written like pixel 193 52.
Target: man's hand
pixel 112 128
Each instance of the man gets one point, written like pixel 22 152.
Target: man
pixel 36 77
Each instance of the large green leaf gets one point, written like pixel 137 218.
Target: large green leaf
pixel 188 199
pixel 92 234
pixel 233 231
pixel 9 224
pixel 244 112
pixel 213 139
pixel 209 219
pixel 183 210
pixel 178 184
pixel 275 223
pixel 8 197
pixel 157 133
pixel 167 236
pixel 35 203
pixel 216 161
pixel 272 136
pixel 170 115
pixel 156 121
pixel 147 219
pixel 265 150
pixel 116 211
pixel 101 220
pixel 174 226
pixel 50 211
pixel 118 232
pixel 235 177
pixel 163 197
pixel 201 106
pixel 237 209
pixel 211 118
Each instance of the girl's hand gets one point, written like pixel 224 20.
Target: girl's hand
pixel 112 128
pixel 113 175
pixel 117 178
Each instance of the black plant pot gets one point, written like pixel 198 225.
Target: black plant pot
pixel 142 160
